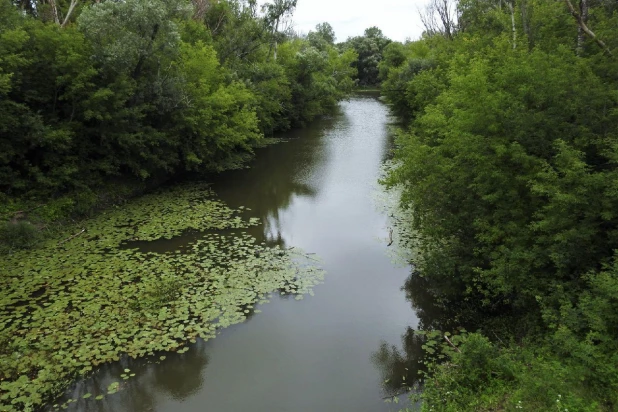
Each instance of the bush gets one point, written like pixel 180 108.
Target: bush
pixel 483 376
pixel 19 235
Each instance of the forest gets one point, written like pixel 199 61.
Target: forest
pixel 94 94
pixel 509 172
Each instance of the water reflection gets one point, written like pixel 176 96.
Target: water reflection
pixel 438 308
pixel 280 173
pixel 402 369
pixel 178 376
pixel 277 175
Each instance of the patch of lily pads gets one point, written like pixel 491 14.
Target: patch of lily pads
pixel 82 300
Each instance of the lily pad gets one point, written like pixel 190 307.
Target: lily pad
pixel 69 307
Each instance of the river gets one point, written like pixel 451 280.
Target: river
pixel 317 191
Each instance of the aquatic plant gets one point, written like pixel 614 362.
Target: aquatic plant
pixel 87 298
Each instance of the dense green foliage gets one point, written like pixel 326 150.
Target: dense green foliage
pixel 144 89
pixel 370 49
pixel 481 376
pixel 509 168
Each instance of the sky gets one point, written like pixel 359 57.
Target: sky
pixel 398 19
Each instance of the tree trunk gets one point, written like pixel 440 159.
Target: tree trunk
pixel 444 11
pixel 54 8
pixel 523 8
pixel 69 12
pixel 140 63
pixel 513 24
pixel 585 29
pixel 200 7
pixel 581 34
pixel 274 46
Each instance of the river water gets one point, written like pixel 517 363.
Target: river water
pixel 316 191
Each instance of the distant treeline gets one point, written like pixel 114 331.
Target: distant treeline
pixel 93 90
pixel 510 170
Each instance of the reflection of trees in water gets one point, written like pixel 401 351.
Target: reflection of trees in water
pixel 393 126
pixel 278 174
pixel 273 238
pixel 178 377
pixel 278 200
pixel 181 376
pixel 439 308
pixel 402 368
pixel 431 302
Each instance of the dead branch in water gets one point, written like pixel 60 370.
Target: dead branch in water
pixel 71 237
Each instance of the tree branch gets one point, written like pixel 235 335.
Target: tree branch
pixel 71 7
pixel 71 237
pixel 452 344
pixel 513 24
pixel 582 25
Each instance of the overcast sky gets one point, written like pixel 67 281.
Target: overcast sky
pixel 398 19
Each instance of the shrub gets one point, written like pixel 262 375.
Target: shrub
pixel 19 235
pixel 482 376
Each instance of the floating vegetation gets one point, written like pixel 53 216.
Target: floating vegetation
pixel 82 300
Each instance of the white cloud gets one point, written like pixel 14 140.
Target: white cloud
pixel 398 19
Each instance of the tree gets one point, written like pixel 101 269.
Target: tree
pixel 508 168
pixel 323 36
pixel 218 121
pixel 148 88
pixel 440 18
pixel 47 77
pixel 276 17
pixel 369 49
pixel 581 18
pixel 60 12
pixel 326 32
pixel 238 32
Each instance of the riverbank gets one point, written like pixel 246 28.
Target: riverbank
pixel 27 221
pixel 508 167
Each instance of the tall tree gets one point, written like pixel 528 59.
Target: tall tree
pixel 277 17
pixel 440 18
pixel 369 48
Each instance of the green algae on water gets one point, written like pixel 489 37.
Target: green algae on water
pixel 74 304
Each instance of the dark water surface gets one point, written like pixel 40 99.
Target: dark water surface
pixel 316 191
